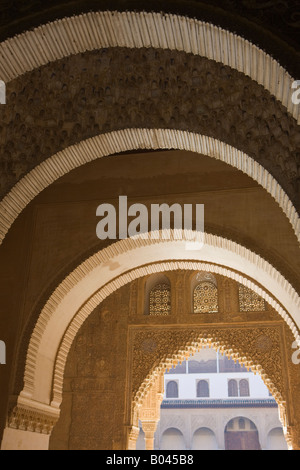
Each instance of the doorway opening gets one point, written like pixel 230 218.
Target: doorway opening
pixel 212 402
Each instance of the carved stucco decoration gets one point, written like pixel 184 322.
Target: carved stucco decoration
pixel 151 349
pixel 156 350
pixel 65 338
pixel 85 95
pixel 96 30
pixel 30 419
pixel 129 139
pixel 272 24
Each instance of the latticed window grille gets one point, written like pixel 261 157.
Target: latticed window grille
pixel 160 300
pixel 249 301
pixel 205 298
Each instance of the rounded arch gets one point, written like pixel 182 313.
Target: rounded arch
pixel 189 347
pixel 172 439
pixel 172 389
pixel 156 30
pixel 108 270
pixel 240 423
pixel 276 440
pixel 204 439
pixel 205 298
pixel 158 280
pixel 111 143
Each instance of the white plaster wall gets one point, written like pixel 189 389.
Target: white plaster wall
pixel 218 384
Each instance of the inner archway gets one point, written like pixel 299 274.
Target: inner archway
pixel 241 434
pixel 154 344
pixel 149 399
pixel 202 418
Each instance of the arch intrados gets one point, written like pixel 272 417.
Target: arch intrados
pixel 82 291
pixel 190 350
pixel 104 29
pixel 242 417
pixel 112 143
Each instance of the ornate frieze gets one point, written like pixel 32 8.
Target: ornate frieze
pixel 29 419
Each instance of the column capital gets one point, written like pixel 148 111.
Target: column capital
pixel 25 418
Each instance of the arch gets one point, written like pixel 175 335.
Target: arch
pixel 204 439
pixel 240 423
pixel 241 434
pixel 172 439
pixel 189 347
pixel 132 139
pixel 249 301
pixel 276 440
pixel 156 30
pixel 88 285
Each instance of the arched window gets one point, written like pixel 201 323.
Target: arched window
pixel 244 388
pixel 249 301
pixel 160 300
pixel 172 389
pixel 202 388
pixel 232 388
pixel 205 298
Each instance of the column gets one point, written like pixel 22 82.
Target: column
pixel 149 414
pixel 149 428
pixel 28 428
